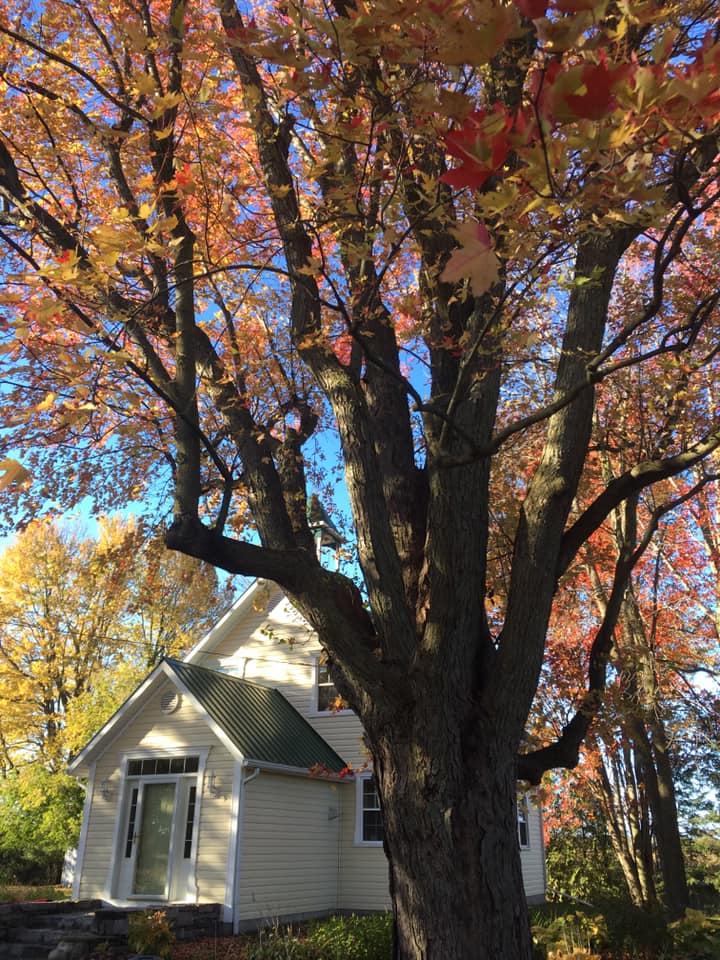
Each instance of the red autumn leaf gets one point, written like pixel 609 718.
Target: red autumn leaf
pixel 598 100
pixel 542 93
pixel 482 154
pixel 184 177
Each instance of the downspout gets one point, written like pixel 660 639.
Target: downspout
pixel 238 848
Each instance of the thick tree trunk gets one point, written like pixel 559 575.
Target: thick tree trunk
pixel 452 843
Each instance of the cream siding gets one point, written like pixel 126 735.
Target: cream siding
pixel 289 847
pixel 364 875
pixel 533 856
pixel 182 732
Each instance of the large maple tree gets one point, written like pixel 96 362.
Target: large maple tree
pixel 441 229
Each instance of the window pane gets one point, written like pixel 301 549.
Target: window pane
pixel 134 768
pixel 163 765
pixel 177 765
pixel 523 831
pixel 192 764
pixel 189 821
pixel 131 822
pixel 371 801
pixel 148 766
pixel 151 863
pixel 327 695
pixel 372 826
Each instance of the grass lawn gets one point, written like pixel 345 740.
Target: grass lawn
pixel 17 893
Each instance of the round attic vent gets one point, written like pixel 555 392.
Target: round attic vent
pixel 170 701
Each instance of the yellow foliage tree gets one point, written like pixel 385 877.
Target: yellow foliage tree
pixel 81 621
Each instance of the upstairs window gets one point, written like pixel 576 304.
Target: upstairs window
pixel 328 700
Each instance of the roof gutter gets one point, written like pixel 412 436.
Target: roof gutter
pixel 322 774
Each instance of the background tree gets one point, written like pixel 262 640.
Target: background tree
pixel 81 622
pixel 41 812
pixel 653 729
pixel 61 605
pixel 227 227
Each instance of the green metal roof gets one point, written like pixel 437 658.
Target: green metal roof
pixel 263 725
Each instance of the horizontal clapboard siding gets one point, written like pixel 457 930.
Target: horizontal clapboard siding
pixel 533 856
pixel 364 873
pixel 289 847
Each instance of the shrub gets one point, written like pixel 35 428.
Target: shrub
pixel 339 938
pixel 696 937
pixel 151 932
pixel 41 813
pixel 571 934
pixel 276 944
pixel 353 938
pixel 635 933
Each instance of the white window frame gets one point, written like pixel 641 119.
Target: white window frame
pixel 523 817
pixel 360 810
pixel 315 708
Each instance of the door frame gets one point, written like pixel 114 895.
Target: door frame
pixel 113 892
pixel 142 783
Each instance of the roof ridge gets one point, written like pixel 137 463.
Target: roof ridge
pixel 219 673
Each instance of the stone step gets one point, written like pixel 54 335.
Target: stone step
pixel 62 921
pixel 50 936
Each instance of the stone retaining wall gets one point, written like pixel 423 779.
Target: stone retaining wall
pixel 93 919
pixel 190 921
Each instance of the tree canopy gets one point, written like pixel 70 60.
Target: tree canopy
pixel 477 240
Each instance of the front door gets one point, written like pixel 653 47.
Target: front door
pixel 154 839
pixel 148 839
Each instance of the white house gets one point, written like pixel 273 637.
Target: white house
pixel 232 777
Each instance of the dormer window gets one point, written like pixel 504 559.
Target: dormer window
pixel 327 698
pixel 326 692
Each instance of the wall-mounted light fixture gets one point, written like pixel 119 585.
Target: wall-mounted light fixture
pixel 106 789
pixel 213 787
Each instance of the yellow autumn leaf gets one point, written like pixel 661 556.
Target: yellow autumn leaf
pixel 45 404
pixel 11 471
pixel 144 83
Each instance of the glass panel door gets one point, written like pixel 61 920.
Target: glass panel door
pixel 152 855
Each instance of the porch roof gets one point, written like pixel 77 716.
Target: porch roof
pixel 261 723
